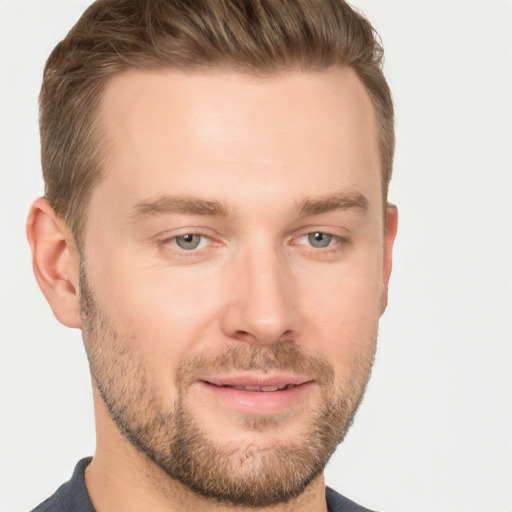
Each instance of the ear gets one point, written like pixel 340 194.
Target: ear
pixel 55 260
pixel 389 239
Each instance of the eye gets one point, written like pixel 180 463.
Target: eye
pixel 190 241
pixel 319 240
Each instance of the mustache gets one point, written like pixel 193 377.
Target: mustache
pixel 284 355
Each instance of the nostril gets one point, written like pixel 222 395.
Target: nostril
pixel 244 336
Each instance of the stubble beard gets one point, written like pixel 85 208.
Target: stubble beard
pixel 215 469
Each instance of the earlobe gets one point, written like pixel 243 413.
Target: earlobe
pixel 55 261
pixel 389 239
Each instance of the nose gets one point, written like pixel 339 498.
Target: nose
pixel 262 305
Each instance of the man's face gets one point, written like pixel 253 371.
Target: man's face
pixel 233 273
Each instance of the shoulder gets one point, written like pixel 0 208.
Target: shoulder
pixel 338 503
pixel 71 496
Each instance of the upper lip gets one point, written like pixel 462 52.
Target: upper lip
pixel 258 381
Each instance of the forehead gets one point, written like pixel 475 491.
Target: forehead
pixel 218 131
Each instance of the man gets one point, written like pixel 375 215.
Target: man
pixel 215 220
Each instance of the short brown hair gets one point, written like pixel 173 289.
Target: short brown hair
pixel 252 36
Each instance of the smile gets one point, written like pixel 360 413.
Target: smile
pixel 263 388
pixel 278 387
pixel 257 395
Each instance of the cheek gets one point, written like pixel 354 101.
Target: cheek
pixel 165 312
pixel 342 311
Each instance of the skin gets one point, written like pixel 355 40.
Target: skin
pixel 263 149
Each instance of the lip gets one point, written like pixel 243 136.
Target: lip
pixel 255 394
pixel 258 380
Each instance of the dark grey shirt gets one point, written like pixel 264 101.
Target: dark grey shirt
pixel 72 497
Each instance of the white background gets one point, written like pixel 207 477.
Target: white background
pixel 435 431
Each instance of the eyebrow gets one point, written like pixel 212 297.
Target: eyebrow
pixel 181 205
pixel 166 205
pixel 339 201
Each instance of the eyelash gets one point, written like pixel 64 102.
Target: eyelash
pixel 338 242
pixel 173 241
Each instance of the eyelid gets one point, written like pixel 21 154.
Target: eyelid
pixel 336 239
pixel 338 232
pixel 166 240
pixel 339 240
pixel 333 237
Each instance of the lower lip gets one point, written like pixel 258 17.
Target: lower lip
pixel 259 402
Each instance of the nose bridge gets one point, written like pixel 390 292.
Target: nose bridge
pixel 262 308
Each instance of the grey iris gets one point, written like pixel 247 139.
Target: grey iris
pixel 319 240
pixel 188 242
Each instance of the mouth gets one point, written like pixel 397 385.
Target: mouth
pixel 258 395
pixel 255 383
pixel 255 388
pixel 265 389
